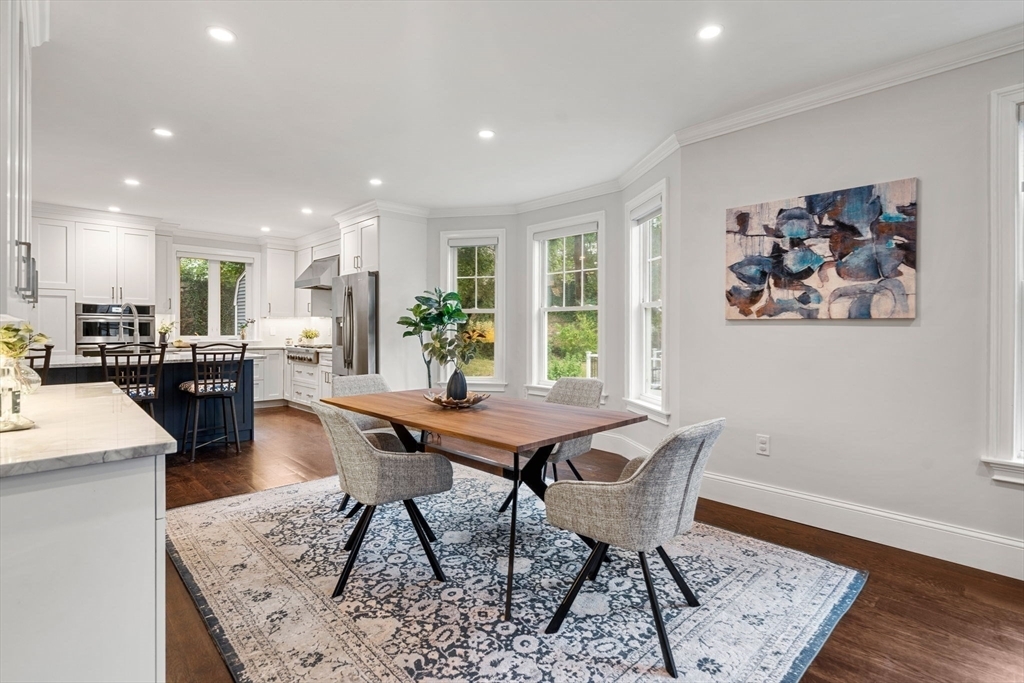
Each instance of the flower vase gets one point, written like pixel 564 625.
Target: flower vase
pixel 457 388
pixel 163 337
pixel 16 379
pixel 241 333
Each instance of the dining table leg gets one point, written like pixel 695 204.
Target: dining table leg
pixel 512 539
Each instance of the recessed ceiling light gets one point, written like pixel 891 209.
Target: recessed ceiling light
pixel 486 134
pixel 221 34
pixel 376 181
pixel 115 209
pixel 709 32
pixel 265 229
pixel 131 181
pixel 307 211
pixel 163 132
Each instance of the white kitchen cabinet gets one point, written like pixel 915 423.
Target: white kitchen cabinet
pixel 258 375
pixel 54 245
pixel 165 274
pixel 115 264
pixel 326 376
pixel 96 263
pixel 54 316
pixel 278 287
pixel 273 375
pixel 136 263
pixel 359 247
pixel 326 250
pixel 304 382
pixel 303 257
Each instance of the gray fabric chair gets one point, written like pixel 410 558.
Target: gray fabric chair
pixel 652 502
pixel 375 477
pixel 568 391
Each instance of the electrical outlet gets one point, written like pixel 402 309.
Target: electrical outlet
pixel 273 331
pixel 763 444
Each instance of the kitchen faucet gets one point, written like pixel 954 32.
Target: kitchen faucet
pixel 135 323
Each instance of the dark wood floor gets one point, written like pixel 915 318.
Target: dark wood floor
pixel 917 619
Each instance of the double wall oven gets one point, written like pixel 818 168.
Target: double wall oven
pixel 100 324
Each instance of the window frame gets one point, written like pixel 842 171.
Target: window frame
pixel 213 255
pixel 449 264
pixel 536 236
pixel 638 212
pixel 1005 448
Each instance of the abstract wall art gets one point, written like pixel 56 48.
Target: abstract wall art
pixel 844 254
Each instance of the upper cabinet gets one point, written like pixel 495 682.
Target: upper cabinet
pixel 359 247
pixel 303 257
pixel 115 264
pixel 55 244
pixel 278 286
pixel 165 274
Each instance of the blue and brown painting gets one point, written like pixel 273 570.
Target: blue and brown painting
pixel 844 254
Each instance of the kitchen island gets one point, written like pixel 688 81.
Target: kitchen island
pixel 169 409
pixel 82 539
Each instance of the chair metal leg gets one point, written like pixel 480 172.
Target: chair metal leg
pixel 508 500
pixel 364 524
pixel 355 532
pixel 597 565
pixel 195 429
pixel 423 522
pixel 184 431
pixel 234 424
pixel 149 407
pixel 554 470
pixel 563 609
pixel 574 470
pixel 354 510
pixel 691 599
pixel 414 515
pixel 224 419
pixel 666 649
pixel 344 503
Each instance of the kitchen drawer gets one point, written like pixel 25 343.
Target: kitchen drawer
pixel 325 360
pixel 257 369
pixel 257 390
pixel 305 372
pixel 304 393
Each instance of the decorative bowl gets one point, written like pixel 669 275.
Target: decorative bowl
pixel 472 398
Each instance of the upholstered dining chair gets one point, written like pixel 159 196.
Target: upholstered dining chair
pixel 378 432
pixel 136 369
pixel 39 360
pixel 568 391
pixel 652 502
pixel 374 477
pixel 216 374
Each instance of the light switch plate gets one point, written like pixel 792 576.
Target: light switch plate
pixel 763 444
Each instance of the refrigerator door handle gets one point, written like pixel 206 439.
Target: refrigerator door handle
pixel 350 333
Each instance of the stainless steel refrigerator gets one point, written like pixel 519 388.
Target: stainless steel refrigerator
pixel 354 299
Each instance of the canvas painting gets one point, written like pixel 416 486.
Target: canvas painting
pixel 844 254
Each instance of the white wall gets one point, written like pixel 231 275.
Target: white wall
pixel 877 427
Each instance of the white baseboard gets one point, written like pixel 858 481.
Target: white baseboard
pixel 273 403
pixel 979 549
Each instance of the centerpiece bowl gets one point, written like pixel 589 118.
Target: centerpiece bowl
pixel 472 398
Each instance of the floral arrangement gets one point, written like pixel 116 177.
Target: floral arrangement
pixel 309 333
pixel 245 323
pixel 166 328
pixel 15 339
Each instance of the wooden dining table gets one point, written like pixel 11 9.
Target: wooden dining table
pixel 526 429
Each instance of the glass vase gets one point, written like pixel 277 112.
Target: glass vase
pixel 16 379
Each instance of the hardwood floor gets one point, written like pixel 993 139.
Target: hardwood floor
pixel 917 619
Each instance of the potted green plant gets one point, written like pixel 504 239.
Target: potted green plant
pixel 434 320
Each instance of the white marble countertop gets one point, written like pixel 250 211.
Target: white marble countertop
pixel 80 424
pixel 66 360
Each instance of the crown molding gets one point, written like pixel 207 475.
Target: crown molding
pixel 212 236
pixel 318 237
pixel 404 209
pixel 655 157
pixel 988 46
pixel 44 210
pixel 276 242
pixel 568 197
pixel 468 211
pixel 373 208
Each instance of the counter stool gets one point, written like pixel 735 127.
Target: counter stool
pixel 136 370
pixel 216 373
pixel 39 360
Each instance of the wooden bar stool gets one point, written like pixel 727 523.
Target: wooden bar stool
pixel 216 373
pixel 136 370
pixel 39 360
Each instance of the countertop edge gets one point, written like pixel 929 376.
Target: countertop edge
pixel 14 469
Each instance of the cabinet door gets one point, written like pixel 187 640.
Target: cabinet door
pixel 327 249
pixel 280 279
pixel 369 250
pixel 164 274
pixel 96 263
pixel 303 257
pixel 349 249
pixel 55 253
pixel 136 266
pixel 54 316
pixel 326 380
pixel 273 376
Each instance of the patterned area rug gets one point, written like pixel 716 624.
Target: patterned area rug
pixel 261 568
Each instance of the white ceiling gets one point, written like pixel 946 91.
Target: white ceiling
pixel 315 98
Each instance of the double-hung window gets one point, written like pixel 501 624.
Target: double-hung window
pixel 214 294
pixel 645 333
pixel 566 323
pixel 473 265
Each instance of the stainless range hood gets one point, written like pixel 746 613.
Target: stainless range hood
pixel 319 274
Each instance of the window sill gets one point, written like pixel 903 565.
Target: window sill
pixel 649 409
pixel 1009 471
